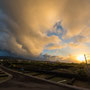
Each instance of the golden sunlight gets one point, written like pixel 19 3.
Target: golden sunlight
pixel 81 58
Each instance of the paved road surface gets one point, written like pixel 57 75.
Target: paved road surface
pixel 21 82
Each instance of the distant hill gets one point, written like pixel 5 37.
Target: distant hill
pixel 8 55
pixel 4 53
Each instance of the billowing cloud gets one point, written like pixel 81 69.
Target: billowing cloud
pixel 23 40
pixel 55 46
pixel 68 59
pixel 24 24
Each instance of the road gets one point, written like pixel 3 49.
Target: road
pixel 22 82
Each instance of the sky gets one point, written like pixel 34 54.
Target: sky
pixel 52 29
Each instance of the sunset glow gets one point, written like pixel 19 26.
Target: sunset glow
pixel 45 29
pixel 81 58
pixel 46 39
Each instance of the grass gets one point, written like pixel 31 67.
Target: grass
pixel 39 66
pixel 3 78
pixel 58 79
pixel 32 73
pixel 82 84
pixel 44 76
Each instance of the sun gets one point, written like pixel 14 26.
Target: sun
pixel 81 58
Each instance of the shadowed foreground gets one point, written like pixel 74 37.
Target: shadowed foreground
pixel 22 82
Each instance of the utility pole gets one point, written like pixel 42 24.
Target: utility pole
pixel 86 63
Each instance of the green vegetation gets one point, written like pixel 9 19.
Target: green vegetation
pixel 82 84
pixel 3 78
pixel 68 73
pixel 69 70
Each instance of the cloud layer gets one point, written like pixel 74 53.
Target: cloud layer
pixel 28 34
pixel 24 24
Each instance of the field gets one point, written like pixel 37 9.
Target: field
pixel 3 76
pixel 68 73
